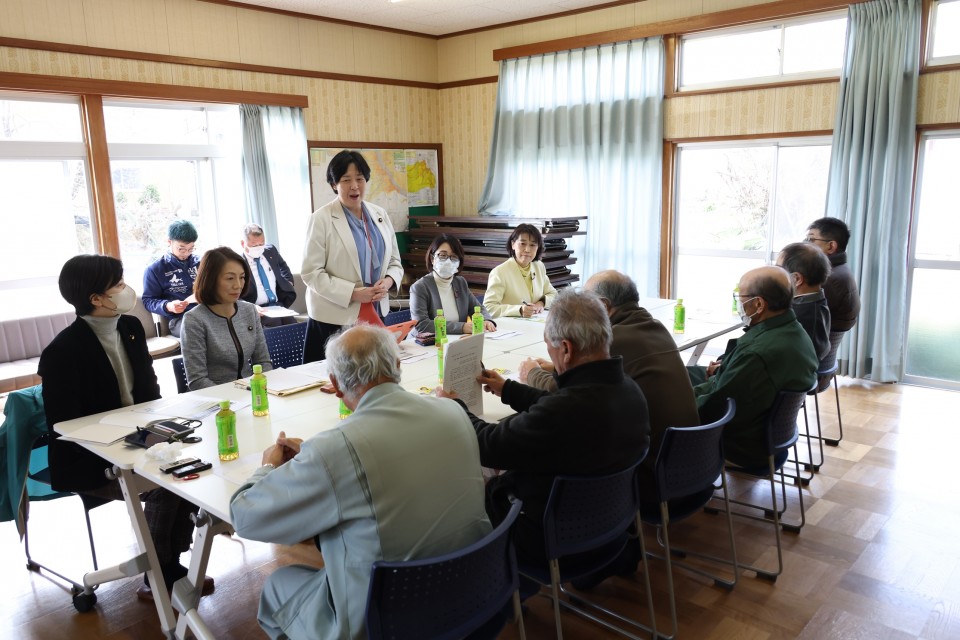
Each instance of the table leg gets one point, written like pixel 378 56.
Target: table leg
pixel 187 590
pixel 161 599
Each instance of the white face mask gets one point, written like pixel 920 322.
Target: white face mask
pixel 125 301
pixel 256 252
pixel 743 314
pixel 447 268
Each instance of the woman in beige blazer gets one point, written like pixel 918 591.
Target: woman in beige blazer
pixel 350 256
pixel 520 286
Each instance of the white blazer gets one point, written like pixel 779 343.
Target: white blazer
pixel 331 263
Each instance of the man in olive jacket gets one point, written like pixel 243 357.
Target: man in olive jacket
pixel 774 354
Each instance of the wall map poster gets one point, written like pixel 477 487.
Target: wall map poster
pixel 399 179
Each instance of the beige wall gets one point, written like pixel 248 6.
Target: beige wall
pixel 458 118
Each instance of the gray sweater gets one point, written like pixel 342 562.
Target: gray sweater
pixel 218 350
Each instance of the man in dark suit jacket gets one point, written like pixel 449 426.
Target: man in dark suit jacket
pixel 269 270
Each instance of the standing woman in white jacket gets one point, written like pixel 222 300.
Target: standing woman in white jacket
pixel 350 259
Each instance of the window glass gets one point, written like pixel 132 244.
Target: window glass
pixel 938 225
pixel 933 342
pixel 174 162
pixel 733 56
pixel 946 31
pixel 766 53
pixel 162 125
pixel 815 46
pixel 737 206
pixel 40 120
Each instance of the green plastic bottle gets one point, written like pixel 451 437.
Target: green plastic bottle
pixel 440 327
pixel 227 445
pixel 345 411
pixel 258 390
pixel 440 362
pixel 679 317
pixel 477 320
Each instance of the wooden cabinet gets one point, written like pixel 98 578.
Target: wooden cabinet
pixel 484 240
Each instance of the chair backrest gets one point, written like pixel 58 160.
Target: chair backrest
pixel 587 512
pixel 690 459
pixel 480 298
pixel 285 344
pixel 828 366
pixel 396 317
pixel 180 374
pixel 145 318
pixel 781 422
pixel 447 596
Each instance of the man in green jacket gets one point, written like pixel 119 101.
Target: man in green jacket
pixel 774 354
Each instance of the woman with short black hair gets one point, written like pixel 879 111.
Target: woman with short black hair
pixel 350 259
pixel 101 363
pixel 520 286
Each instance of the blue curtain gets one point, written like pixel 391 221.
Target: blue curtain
pixel 276 174
pixel 871 169
pixel 581 133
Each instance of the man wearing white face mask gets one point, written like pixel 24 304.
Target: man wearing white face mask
pixel 443 288
pixel 271 275
pixel 775 353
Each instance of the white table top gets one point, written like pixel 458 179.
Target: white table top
pixel 309 412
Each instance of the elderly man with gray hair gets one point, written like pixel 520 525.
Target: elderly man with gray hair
pixel 594 423
pixel 397 480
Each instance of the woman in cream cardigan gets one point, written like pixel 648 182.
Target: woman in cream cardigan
pixel 350 257
pixel 520 286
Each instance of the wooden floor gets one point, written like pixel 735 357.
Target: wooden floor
pixel 879 556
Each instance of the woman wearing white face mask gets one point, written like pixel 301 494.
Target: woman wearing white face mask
pixel 443 289
pixel 101 363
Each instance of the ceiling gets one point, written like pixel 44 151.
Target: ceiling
pixel 433 17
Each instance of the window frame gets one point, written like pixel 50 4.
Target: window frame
pixel 931 32
pixel 768 255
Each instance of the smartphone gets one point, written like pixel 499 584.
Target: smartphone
pixel 195 467
pixel 176 464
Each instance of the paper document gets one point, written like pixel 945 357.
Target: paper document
pixel 461 366
pixel 281 382
pixel 277 312
pixel 411 352
pixel 129 419
pixel 502 335
pixel 189 406
pixel 314 370
pixel 99 433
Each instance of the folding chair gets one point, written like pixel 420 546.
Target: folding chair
pixel 460 594
pixel 25 433
pixel 180 375
pixel 588 515
pixel 396 317
pixel 285 344
pixel 688 465
pixel 781 434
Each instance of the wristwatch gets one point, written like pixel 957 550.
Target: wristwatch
pixel 268 466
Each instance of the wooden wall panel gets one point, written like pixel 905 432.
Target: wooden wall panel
pixel 466 117
pixel 326 47
pixel 377 54
pixel 418 59
pixel 269 39
pixel 138 25
pixel 54 20
pixel 203 30
pixel 938 101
